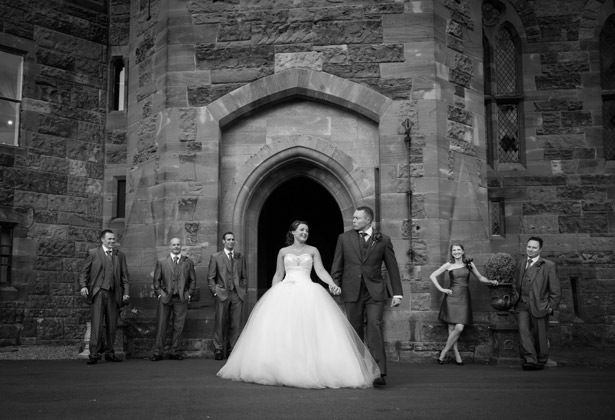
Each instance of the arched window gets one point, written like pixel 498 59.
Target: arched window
pixel 503 96
pixel 607 81
pixel 118 84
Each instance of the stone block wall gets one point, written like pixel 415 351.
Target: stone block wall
pixel 187 61
pixel 186 55
pixel 53 180
pixel 564 192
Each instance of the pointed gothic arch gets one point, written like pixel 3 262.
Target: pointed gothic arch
pixel 294 156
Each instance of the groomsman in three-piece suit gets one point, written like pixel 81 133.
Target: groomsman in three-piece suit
pixel 104 282
pixel 174 284
pixel 536 294
pixel 357 269
pixel 228 284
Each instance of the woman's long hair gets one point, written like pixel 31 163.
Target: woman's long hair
pixel 290 239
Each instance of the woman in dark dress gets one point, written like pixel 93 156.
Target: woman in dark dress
pixel 456 309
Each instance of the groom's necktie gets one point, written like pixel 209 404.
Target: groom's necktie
pixel 363 242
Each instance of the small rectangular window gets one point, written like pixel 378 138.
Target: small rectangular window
pixel 11 80
pixel 118 89
pixel 120 200
pixel 6 253
pixel 608 118
pixel 496 216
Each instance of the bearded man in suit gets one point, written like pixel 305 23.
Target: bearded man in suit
pixel 536 294
pixel 228 284
pixel 174 284
pixel 104 282
pixel 357 269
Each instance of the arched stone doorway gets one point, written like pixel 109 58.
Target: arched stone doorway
pixel 297 199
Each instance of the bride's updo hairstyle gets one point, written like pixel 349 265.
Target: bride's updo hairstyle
pixel 290 239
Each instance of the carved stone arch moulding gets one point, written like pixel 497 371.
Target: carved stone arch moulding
pixel 492 12
pixel 294 156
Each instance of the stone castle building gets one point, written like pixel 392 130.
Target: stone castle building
pixel 484 121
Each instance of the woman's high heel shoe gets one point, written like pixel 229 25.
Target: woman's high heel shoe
pixel 459 363
pixel 440 361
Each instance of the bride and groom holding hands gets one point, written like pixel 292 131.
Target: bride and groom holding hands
pixel 298 336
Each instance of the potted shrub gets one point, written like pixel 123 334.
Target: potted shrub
pixel 501 267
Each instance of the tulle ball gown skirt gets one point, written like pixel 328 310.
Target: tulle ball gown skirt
pixel 298 336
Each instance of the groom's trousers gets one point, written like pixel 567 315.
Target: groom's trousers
pixel 365 315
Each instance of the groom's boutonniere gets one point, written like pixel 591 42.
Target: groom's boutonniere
pixel 237 255
pixel 539 263
pixel 376 238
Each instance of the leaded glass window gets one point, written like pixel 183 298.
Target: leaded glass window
pixel 608 128
pixel 503 96
pixel 11 73
pixel 508 133
pixel 505 63
pixel 496 217
pixel 607 81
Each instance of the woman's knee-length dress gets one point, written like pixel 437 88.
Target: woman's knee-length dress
pixel 457 308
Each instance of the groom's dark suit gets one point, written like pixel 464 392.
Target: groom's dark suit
pixel 364 290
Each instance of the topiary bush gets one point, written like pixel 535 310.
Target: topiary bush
pixel 500 267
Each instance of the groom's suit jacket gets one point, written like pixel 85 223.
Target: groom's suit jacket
pixel 220 275
pixel 183 273
pixel 545 291
pixel 348 267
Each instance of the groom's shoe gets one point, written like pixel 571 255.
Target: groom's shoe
pixel 380 381
pixel 218 355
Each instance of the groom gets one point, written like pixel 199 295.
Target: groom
pixel 357 268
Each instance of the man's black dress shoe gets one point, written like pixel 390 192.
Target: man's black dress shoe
pixel 92 361
pixel 156 358
pixel 176 357
pixel 530 366
pixel 218 355
pixel 112 358
pixel 380 381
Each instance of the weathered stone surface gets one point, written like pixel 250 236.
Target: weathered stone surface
pixel 202 96
pixel 555 207
pixel 557 154
pixel 6 197
pixel 566 141
pixel 187 125
pixel 341 32
pixel 235 32
pixel 397 89
pixel 376 53
pixel 592 223
pixel 576 119
pixel 145 49
pixel 305 60
pixel 588 193
pixel 460 115
pixel 460 78
pixel 539 224
pixel 558 81
pixel 208 57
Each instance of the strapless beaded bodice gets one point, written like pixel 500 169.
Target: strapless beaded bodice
pixel 298 266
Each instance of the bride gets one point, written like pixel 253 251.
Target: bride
pixel 297 335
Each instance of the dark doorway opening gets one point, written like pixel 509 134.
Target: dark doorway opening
pixel 296 199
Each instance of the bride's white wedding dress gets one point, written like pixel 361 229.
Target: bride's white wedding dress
pixel 298 336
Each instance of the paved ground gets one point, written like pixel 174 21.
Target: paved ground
pixel 140 389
